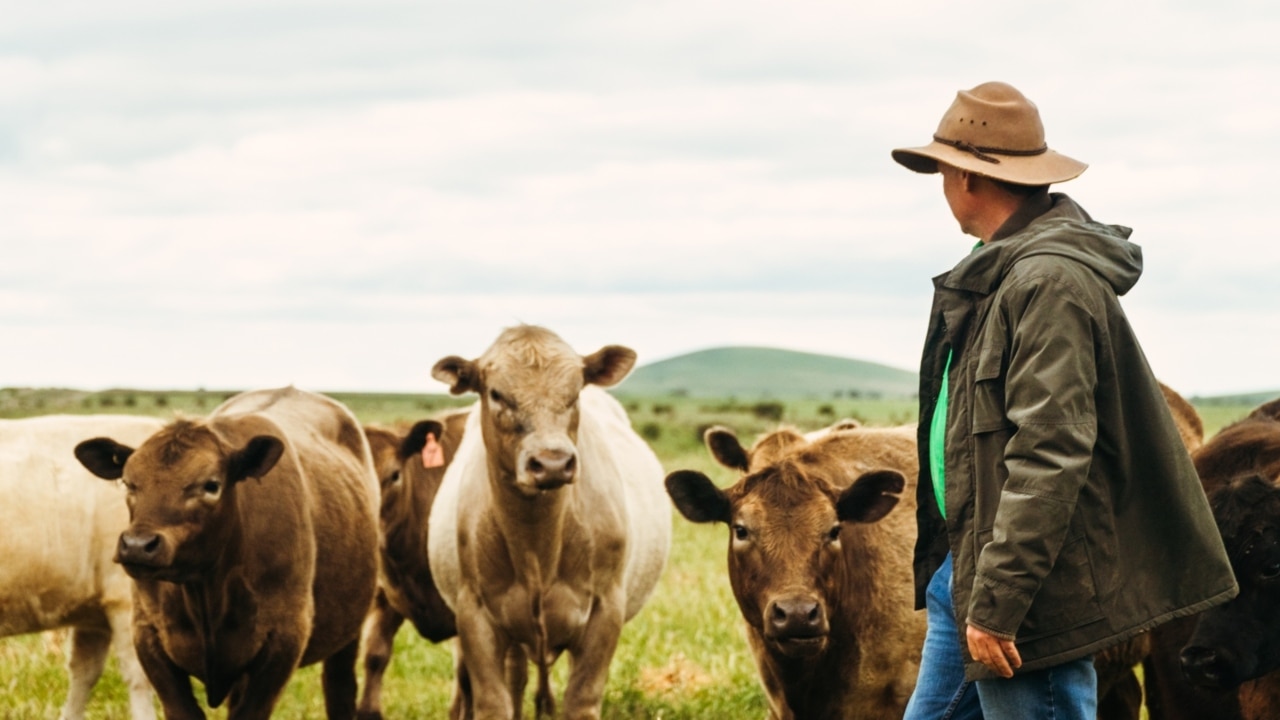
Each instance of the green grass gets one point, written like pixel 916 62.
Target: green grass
pixel 683 656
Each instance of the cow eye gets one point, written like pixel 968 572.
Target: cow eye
pixel 740 532
pixel 834 533
pixel 1271 571
pixel 395 477
pixel 212 487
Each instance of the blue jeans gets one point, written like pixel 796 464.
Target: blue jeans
pixel 1064 692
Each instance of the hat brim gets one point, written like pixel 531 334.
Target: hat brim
pixel 1046 168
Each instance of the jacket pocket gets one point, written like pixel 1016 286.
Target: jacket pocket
pixel 988 392
pixel 1068 598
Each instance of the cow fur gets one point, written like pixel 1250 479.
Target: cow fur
pixel 550 529
pixel 60 528
pixel 406 588
pixel 815 522
pixel 252 545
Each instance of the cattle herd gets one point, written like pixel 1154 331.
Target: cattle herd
pixel 278 532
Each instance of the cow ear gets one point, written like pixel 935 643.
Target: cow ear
pixel 1270 410
pixel 417 438
pixel 697 498
pixel 460 375
pixel 607 366
pixel 103 457
pixel 255 459
pixel 870 497
pixel 726 448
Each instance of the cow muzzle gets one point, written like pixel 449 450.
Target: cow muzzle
pixel 551 469
pixel 143 554
pixel 1209 667
pixel 796 625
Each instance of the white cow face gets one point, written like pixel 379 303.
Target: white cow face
pixel 529 381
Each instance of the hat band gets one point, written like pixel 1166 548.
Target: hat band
pixel 982 152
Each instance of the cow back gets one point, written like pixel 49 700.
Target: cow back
pixel 60 523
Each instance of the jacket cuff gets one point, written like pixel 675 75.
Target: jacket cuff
pixel 997 608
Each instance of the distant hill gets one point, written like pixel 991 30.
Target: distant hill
pixel 760 372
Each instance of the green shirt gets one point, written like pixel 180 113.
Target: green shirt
pixel 938 433
pixel 938 441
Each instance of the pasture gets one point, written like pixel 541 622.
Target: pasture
pixel 683 656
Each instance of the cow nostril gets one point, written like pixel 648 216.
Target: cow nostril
pixel 779 615
pixel 535 466
pixel 570 464
pixel 152 545
pixel 813 614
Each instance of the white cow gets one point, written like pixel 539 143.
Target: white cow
pixel 550 528
pixel 58 531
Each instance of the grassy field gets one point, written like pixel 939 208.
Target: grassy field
pixel 683 656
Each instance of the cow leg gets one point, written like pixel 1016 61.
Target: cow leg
pixel 171 683
pixel 589 660
pixel 484 652
pixel 87 657
pixel 517 677
pixel 461 707
pixel 379 642
pixel 339 677
pixel 269 672
pixel 140 695
pixel 1123 700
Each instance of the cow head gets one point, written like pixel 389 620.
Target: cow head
pixel 786 522
pixel 398 463
pixel 528 382
pixel 1240 640
pixel 181 486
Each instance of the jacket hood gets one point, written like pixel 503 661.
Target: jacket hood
pixel 1065 230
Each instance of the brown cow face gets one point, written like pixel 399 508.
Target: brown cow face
pixel 786 559
pixel 181 493
pixel 396 459
pixel 529 382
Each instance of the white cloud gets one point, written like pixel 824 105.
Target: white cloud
pixel 691 174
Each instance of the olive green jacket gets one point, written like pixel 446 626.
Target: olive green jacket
pixel 1074 515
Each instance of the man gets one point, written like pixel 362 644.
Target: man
pixel 1058 511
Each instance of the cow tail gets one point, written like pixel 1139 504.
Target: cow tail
pixel 544 703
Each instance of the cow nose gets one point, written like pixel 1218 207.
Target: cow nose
pixel 1205 666
pixel 551 469
pixel 796 617
pixel 138 548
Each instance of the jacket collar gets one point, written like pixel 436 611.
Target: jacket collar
pixel 981 270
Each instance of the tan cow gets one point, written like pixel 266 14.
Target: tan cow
pixel 406 588
pixel 820 564
pixel 58 530
pixel 253 549
pixel 550 530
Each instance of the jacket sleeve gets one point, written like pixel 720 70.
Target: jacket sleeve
pixel 1049 399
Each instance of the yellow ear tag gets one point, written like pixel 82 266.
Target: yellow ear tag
pixel 432 453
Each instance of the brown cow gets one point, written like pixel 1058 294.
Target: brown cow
pixel 820 567
pixel 550 529
pixel 406 588
pixel 252 546
pixel 1235 648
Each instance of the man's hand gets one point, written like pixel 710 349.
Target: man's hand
pixel 1000 656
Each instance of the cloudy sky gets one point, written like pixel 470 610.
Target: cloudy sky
pixel 337 193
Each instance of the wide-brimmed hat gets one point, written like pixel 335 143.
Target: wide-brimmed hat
pixel 993 130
